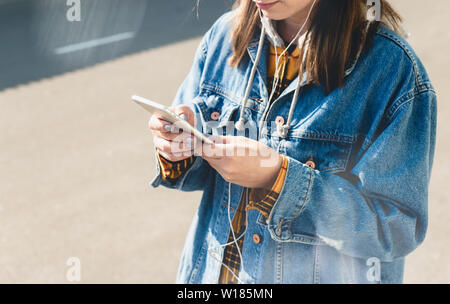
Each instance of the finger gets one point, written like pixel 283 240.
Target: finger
pixel 215 151
pixel 220 148
pixel 174 157
pixel 183 137
pixel 166 130
pixel 170 147
pixel 184 112
pixel 175 137
pixel 218 139
pixel 156 123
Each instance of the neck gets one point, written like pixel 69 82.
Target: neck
pixel 289 27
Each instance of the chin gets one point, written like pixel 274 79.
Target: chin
pixel 274 15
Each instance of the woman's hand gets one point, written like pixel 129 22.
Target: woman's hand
pixel 243 161
pixel 172 144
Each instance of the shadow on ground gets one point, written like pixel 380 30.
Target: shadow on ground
pixel 33 32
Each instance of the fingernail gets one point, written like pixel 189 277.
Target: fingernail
pixel 168 127
pixel 183 116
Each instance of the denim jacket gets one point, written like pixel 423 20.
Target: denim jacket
pixel 356 215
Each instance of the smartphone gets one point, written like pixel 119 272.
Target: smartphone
pixel 166 114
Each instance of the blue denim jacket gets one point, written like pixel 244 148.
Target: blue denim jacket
pixel 353 218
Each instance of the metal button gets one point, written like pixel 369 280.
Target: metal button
pixel 215 115
pixel 256 239
pixel 311 164
pixel 279 121
pixel 278 230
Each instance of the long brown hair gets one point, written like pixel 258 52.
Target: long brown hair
pixel 337 32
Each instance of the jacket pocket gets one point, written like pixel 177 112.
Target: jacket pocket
pixel 217 114
pixel 322 151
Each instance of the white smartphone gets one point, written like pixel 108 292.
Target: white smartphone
pixel 166 114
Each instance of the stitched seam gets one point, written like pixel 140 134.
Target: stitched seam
pixel 218 90
pixel 279 270
pixel 326 137
pixel 197 265
pixel 308 240
pixel 316 266
pixel 408 52
pixel 406 99
pixel 348 152
pixel 233 99
pixel 305 200
pixel 412 93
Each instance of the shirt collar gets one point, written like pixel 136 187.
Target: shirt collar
pixel 276 40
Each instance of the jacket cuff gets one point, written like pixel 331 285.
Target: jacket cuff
pixel 293 197
pixel 172 171
pixel 193 179
pixel 158 179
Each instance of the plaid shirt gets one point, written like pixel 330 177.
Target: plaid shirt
pixel 171 171
pixel 261 200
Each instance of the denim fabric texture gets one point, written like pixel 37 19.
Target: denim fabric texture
pixel 364 204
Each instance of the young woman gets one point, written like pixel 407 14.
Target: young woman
pixel 324 121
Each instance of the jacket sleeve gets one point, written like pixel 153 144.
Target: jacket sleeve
pixel 382 211
pixel 193 179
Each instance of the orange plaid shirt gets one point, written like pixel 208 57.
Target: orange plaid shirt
pixel 259 199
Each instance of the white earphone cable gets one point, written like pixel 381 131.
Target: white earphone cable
pixel 275 83
pixel 234 241
pixel 277 59
pixel 232 229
